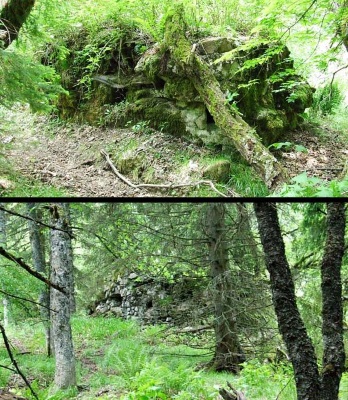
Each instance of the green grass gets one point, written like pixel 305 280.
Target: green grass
pixel 130 362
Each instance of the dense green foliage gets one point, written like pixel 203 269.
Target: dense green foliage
pixel 166 241
pixel 314 31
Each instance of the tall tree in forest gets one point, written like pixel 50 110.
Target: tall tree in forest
pixel 228 352
pixel 3 241
pixel 61 271
pixel 37 242
pixel 332 312
pixel 309 383
pixel 70 257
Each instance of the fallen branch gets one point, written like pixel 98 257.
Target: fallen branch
pixel 194 329
pixel 233 395
pixel 161 186
pixel 14 362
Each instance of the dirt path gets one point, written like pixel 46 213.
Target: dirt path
pixel 72 161
pixel 68 157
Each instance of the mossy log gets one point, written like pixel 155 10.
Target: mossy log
pixel 241 134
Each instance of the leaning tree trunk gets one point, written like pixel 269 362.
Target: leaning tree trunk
pixel 65 375
pixel 332 312
pixel 228 352
pixel 291 326
pixel 232 125
pixel 37 241
pixel 12 17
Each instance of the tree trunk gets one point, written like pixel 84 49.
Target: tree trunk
pixel 228 352
pixel 250 249
pixel 65 375
pixel 12 17
pixel 37 242
pixel 332 312
pixel 3 240
pixel 291 326
pixel 232 125
pixel 70 258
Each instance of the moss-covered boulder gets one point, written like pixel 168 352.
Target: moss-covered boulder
pixel 218 171
pixel 121 67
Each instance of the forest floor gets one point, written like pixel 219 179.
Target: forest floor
pixel 67 157
pixel 118 359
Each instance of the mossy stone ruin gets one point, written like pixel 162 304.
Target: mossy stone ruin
pixel 120 76
pixel 151 300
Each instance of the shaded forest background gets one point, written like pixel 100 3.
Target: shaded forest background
pixel 256 303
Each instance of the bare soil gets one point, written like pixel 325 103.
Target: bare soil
pixel 68 157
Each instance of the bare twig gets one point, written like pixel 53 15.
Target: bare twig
pixel 28 300
pixel 290 379
pixel 288 29
pixel 190 329
pixel 161 186
pixel 333 78
pixel 14 362
pixel 31 271
pixel 5 367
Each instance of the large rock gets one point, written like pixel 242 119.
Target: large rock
pixel 152 300
pixel 218 171
pixel 148 86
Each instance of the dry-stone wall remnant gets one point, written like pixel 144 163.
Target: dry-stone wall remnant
pixel 152 300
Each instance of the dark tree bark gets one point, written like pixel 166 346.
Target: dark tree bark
pixel 37 242
pixel 61 271
pixel 332 312
pixel 228 352
pixel 291 326
pixel 12 17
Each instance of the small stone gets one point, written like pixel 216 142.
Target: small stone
pixel 133 275
pixel 6 184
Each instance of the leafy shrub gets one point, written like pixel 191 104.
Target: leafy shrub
pixel 267 381
pixel 305 186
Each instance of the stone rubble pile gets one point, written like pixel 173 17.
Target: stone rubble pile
pixel 152 300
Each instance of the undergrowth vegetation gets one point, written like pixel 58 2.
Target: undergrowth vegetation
pixel 66 44
pixel 119 359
